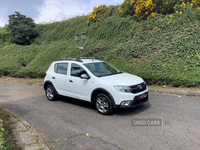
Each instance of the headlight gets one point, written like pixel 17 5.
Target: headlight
pixel 119 88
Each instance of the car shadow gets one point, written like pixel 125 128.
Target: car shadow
pixel 120 112
pixel 77 102
pixel 132 111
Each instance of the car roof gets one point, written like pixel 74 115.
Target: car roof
pixel 83 60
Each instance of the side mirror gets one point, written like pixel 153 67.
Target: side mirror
pixel 85 76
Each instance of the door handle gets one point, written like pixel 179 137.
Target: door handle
pixel 53 78
pixel 71 81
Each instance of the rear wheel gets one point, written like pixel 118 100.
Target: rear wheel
pixel 103 104
pixel 51 93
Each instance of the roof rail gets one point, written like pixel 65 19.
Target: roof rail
pixel 89 58
pixel 66 59
pixel 78 59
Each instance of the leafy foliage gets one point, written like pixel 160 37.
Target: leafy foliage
pixel 22 28
pixel 139 8
pixel 187 13
pixel 1 134
pixel 164 6
pixel 143 8
pixel 98 13
pixel 127 8
pixel 149 9
pixel 195 3
pixel 160 50
pixel 4 36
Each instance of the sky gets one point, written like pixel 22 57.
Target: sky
pixel 46 11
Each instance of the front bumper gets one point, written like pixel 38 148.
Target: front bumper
pixel 135 102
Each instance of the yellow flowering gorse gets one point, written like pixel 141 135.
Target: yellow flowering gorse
pixel 180 8
pixel 97 12
pixel 196 2
pixel 140 8
pixel 168 6
pixel 152 16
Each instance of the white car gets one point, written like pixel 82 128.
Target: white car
pixel 96 81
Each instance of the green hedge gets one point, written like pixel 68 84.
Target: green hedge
pixel 163 50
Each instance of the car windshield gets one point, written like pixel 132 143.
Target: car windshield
pixel 100 69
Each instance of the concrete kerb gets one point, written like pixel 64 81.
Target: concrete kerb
pixel 182 92
pixel 26 136
pixel 29 139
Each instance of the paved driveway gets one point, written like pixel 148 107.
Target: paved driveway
pixel 71 119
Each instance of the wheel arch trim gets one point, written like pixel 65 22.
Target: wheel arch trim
pixel 102 90
pixel 47 83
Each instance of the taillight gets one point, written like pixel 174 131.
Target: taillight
pixel 45 75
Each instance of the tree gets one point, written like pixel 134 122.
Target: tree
pixel 22 28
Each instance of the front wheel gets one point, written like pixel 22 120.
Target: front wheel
pixel 50 93
pixel 103 104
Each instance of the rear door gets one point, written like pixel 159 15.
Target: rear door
pixel 60 78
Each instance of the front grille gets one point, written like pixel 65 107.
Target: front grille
pixel 138 88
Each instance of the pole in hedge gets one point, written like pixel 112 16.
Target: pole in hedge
pixel 78 40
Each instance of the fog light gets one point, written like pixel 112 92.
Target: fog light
pixel 125 103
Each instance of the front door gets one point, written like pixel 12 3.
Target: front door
pixel 79 88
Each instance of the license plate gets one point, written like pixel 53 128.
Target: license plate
pixel 142 96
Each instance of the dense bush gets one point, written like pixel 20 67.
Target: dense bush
pixel 98 13
pixel 127 8
pixel 162 50
pixel 164 6
pixel 4 36
pixel 195 3
pixel 139 8
pixel 143 8
pixel 149 9
pixel 1 135
pixel 22 28
pixel 188 14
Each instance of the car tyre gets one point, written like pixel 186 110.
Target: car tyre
pixel 51 93
pixel 103 104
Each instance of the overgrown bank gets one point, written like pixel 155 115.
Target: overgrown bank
pixel 162 50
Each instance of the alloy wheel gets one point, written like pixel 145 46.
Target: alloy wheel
pixel 102 104
pixel 50 93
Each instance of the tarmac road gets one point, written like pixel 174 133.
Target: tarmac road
pixel 65 123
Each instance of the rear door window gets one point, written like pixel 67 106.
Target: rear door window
pixel 61 68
